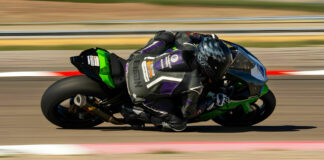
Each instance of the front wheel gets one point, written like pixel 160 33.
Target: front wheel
pixel 58 107
pixel 260 111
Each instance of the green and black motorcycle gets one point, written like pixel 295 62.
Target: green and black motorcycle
pixel 88 100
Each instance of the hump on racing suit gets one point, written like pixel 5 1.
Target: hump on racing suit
pixel 157 72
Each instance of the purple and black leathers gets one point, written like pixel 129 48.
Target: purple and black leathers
pixel 161 78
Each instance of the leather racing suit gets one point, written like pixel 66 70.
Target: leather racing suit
pixel 161 78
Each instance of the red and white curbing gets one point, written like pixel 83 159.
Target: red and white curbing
pixel 297 73
pixel 39 74
pixel 73 73
pixel 122 148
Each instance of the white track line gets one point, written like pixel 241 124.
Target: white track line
pixel 126 148
pixel 27 74
pixel 308 73
pixel 44 149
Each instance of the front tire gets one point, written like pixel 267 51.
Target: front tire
pixel 66 89
pixel 238 118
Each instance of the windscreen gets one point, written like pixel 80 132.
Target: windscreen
pixel 244 61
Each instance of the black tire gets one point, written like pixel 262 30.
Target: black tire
pixel 65 89
pixel 239 118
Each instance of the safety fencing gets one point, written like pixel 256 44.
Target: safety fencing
pixel 152 31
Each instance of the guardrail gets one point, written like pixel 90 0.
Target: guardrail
pixel 143 32
pixel 229 19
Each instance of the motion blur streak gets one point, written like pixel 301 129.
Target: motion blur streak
pixel 299 113
pixel 203 146
pixel 234 19
pixel 75 73
pixel 126 148
pixel 27 74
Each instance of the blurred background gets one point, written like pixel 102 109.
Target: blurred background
pixel 41 35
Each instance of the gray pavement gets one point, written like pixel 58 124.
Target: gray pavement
pixel 298 117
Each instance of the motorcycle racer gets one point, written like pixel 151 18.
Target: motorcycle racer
pixel 173 67
pixel 177 78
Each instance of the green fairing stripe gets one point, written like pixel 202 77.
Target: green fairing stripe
pixel 265 90
pixel 229 106
pixel 104 71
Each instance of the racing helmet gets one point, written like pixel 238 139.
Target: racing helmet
pixel 214 57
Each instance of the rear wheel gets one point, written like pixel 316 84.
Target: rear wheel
pixel 58 107
pixel 260 111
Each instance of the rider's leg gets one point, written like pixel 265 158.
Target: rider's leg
pixel 165 114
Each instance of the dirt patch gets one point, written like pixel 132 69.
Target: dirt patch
pixel 43 11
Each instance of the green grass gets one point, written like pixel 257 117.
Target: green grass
pixel 6 156
pixel 134 47
pixel 218 3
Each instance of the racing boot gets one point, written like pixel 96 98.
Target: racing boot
pixel 174 123
pixel 169 122
pixel 163 115
pixel 135 116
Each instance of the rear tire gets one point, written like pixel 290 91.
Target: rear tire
pixel 65 89
pixel 239 118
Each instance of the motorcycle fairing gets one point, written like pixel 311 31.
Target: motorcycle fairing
pixel 105 71
pixel 233 104
pixel 247 69
pixel 94 63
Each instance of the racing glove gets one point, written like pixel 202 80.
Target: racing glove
pixel 220 99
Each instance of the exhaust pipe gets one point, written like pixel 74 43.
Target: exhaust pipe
pixel 81 101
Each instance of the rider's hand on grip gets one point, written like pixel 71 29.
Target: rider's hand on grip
pixel 220 99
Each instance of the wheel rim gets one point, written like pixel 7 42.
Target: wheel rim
pixel 238 116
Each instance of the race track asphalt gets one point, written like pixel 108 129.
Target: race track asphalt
pixel 298 116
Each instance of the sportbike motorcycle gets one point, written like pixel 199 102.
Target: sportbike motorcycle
pixel 88 100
